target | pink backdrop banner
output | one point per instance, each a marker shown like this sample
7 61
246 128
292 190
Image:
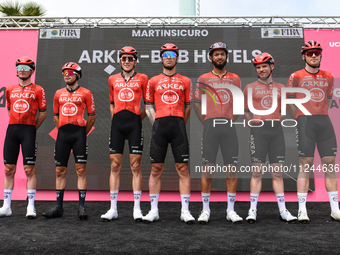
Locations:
25 43
14 44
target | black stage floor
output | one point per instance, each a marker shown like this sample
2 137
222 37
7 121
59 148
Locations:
68 235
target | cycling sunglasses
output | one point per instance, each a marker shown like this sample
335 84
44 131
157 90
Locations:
310 53
69 73
129 59
172 54
25 67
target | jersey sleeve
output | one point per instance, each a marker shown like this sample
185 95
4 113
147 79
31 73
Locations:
330 86
42 100
144 85
149 94
198 92
245 93
91 110
292 83
56 104
8 98
111 90
188 92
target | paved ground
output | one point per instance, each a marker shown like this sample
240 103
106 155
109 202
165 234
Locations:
68 235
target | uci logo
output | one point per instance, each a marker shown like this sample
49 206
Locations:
126 95
170 97
21 106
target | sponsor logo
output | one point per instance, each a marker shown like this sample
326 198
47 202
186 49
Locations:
169 32
317 95
126 95
281 33
266 102
224 96
59 34
205 200
69 109
302 200
170 97
136 151
21 106
336 92
81 160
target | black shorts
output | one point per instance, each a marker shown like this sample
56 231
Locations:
70 137
222 136
24 135
169 130
126 124
315 129
267 139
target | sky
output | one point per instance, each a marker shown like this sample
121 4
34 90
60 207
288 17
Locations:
209 8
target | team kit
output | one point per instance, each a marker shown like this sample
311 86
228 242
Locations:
168 99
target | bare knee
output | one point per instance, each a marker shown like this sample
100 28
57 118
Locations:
136 168
115 167
29 170
183 170
81 170
10 170
156 170
61 172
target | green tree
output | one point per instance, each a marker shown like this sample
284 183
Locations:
9 8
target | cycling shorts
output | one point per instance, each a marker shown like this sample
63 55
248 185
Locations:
220 136
70 137
24 135
126 125
169 130
315 129
267 139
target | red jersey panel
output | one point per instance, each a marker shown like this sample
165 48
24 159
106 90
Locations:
169 94
320 86
24 102
263 98
212 83
127 95
70 106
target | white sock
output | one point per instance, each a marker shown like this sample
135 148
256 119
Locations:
31 197
302 197
231 201
154 201
7 198
333 199
137 195
281 201
253 200
205 200
114 198
185 202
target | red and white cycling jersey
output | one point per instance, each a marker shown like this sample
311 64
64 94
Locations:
24 102
169 94
320 86
70 106
263 98
214 85
127 95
